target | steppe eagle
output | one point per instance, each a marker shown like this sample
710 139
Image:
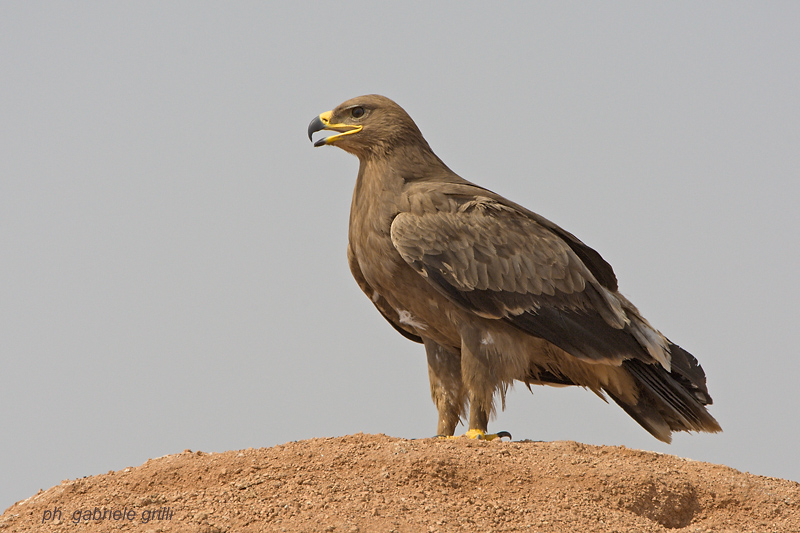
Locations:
495 292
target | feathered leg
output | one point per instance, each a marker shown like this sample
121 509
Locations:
477 376
481 382
447 389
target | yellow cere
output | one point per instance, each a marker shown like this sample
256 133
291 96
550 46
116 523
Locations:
345 129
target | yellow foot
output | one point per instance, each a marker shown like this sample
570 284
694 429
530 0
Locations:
479 435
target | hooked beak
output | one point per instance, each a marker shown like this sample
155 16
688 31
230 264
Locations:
323 122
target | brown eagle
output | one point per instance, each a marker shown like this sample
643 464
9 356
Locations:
495 292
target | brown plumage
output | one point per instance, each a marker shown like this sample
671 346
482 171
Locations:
495 292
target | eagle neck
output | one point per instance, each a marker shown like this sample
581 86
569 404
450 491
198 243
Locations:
377 188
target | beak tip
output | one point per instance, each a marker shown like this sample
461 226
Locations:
314 126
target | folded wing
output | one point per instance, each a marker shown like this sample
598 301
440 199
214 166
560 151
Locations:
498 262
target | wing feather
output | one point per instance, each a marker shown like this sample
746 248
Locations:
498 262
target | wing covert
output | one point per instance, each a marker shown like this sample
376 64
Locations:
499 263
487 246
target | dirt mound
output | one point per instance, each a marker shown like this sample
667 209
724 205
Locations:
379 483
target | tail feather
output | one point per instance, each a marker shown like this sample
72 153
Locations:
689 373
670 401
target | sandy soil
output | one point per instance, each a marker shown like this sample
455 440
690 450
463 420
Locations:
362 483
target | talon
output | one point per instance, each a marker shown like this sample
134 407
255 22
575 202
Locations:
493 436
477 434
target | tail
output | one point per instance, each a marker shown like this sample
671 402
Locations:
670 401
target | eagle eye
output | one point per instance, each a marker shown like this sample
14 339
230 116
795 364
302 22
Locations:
357 112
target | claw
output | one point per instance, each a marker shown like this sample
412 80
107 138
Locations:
477 434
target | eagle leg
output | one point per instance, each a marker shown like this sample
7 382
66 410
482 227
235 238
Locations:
479 412
447 389
481 435
478 375
477 434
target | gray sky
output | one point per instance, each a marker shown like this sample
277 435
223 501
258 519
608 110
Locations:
172 248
